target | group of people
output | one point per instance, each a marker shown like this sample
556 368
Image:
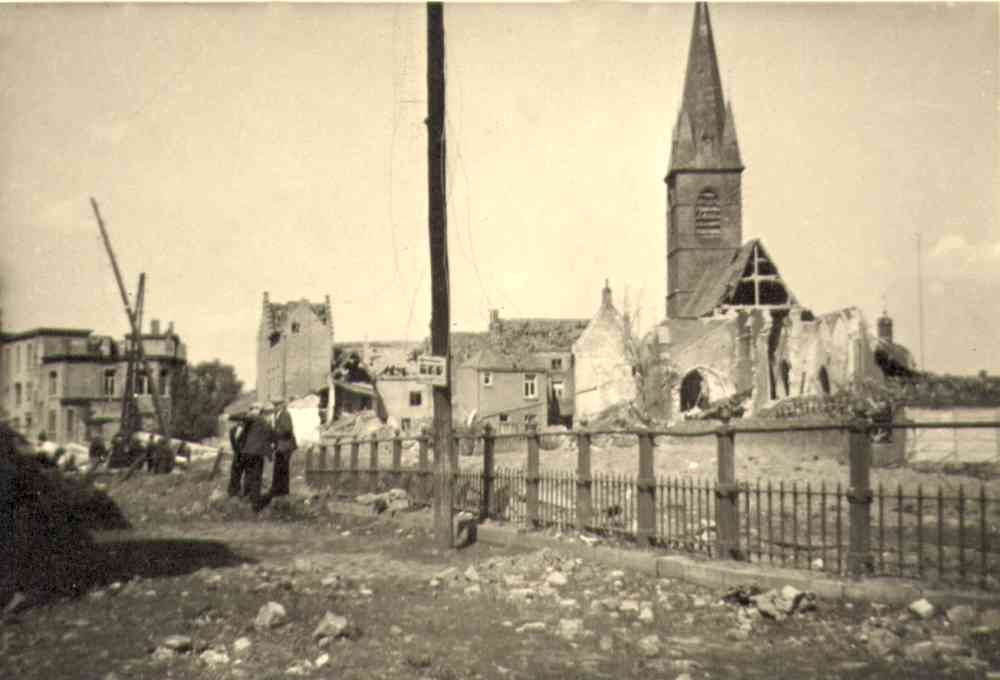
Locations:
265 432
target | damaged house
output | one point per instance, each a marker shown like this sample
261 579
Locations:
733 327
294 348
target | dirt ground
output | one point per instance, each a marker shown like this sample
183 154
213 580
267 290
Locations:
202 567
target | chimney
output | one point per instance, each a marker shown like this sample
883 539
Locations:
170 328
606 294
154 327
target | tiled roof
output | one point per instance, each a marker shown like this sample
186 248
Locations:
493 360
516 336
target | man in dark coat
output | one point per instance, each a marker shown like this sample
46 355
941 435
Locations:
258 444
285 446
237 433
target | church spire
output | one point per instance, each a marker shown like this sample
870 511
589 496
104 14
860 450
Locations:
704 136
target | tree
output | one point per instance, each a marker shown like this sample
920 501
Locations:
200 394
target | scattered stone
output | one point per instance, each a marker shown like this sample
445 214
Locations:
177 643
649 646
556 578
365 592
567 602
303 564
322 660
395 630
473 590
646 615
271 615
471 574
817 564
961 615
628 606
882 642
570 628
533 627
922 609
331 626
214 657
218 496
920 651
699 602
616 575
241 647
606 643
435 583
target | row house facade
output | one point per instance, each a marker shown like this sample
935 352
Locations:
68 383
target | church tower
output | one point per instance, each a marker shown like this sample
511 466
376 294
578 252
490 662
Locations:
704 201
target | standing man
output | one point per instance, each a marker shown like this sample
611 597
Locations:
285 435
258 444
237 433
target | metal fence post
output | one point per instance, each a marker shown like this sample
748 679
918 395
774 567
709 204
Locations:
531 478
727 528
486 499
373 464
646 488
859 495
584 480
355 463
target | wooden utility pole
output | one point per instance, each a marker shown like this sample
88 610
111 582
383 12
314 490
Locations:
440 305
132 320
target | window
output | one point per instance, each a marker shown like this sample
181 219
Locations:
487 379
53 382
18 357
109 383
296 327
70 424
504 418
27 422
141 383
416 398
17 394
557 364
530 386
530 419
558 388
404 424
708 215
164 382
52 421
29 393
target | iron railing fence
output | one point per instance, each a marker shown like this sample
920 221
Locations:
941 535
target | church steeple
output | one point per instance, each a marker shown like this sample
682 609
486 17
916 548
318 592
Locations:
704 135
704 195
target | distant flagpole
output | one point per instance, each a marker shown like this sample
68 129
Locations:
920 300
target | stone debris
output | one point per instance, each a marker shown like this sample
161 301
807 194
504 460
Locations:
570 628
321 660
241 647
177 643
214 657
882 643
646 615
650 646
922 609
332 626
556 578
271 615
961 615
471 574
533 627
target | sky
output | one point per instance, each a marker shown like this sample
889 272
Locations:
241 149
